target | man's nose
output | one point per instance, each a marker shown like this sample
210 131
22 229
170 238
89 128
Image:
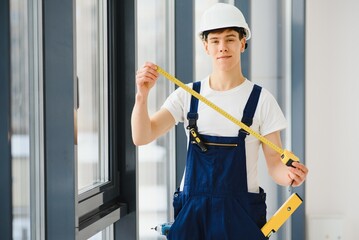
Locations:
223 47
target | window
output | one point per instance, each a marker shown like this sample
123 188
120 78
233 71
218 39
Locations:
26 120
97 168
42 115
92 114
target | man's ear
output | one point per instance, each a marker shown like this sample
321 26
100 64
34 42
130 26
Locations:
244 44
205 46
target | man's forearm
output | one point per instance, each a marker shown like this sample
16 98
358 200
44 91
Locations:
140 122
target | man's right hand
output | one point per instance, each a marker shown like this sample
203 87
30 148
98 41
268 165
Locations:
146 78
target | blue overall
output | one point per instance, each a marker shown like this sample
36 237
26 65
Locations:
215 202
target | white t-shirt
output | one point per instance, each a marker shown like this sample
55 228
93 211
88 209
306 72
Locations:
268 118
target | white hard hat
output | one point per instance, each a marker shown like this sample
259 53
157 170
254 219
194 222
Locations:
222 15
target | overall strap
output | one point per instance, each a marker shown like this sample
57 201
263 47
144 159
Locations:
250 109
192 115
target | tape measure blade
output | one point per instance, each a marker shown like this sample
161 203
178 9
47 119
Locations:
219 110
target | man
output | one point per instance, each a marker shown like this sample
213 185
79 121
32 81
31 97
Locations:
219 197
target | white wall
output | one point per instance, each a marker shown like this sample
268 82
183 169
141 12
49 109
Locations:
332 117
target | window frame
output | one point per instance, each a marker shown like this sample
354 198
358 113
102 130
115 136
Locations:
5 124
59 149
101 206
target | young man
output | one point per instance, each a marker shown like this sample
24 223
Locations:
219 197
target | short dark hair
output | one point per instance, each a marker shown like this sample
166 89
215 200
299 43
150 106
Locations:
240 30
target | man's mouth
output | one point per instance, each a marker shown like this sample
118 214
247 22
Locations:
223 57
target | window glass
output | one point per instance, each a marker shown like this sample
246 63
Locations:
92 120
156 172
27 119
20 139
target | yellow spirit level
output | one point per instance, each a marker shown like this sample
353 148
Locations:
282 214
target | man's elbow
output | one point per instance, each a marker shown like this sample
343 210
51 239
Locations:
136 141
139 141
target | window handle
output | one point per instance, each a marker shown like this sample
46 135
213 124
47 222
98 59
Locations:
76 107
77 97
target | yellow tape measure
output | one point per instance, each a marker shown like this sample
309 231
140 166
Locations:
287 156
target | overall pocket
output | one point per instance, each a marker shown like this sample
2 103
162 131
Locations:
257 207
240 220
177 202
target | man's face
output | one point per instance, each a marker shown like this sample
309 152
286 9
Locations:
225 48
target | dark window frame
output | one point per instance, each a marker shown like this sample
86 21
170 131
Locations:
5 124
124 68
58 72
184 68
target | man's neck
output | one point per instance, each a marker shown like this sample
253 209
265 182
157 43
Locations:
225 80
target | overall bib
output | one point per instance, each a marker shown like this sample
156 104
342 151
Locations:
215 202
